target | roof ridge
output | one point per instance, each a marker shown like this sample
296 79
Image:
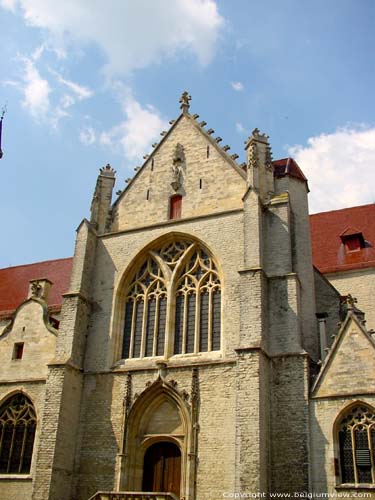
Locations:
342 209
35 263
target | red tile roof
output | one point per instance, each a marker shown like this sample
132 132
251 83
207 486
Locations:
329 231
14 282
288 166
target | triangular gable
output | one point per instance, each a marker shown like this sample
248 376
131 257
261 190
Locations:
350 231
349 368
148 158
214 182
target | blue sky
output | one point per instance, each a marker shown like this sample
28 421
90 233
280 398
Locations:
88 82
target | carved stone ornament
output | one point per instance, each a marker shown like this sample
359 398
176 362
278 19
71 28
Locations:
178 167
350 301
184 101
36 289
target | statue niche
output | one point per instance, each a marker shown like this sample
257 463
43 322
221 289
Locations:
178 167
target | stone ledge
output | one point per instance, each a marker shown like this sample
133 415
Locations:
172 222
15 477
23 381
355 487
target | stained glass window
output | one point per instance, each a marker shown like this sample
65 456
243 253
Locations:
173 303
356 444
17 433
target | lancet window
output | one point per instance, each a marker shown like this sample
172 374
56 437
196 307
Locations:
173 303
145 313
198 304
17 433
356 435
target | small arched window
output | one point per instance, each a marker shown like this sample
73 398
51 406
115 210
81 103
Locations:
173 303
356 440
17 433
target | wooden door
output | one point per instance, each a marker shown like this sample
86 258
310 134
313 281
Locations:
162 468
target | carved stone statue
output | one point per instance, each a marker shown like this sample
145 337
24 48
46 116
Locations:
178 167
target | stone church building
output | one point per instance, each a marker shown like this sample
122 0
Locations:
196 352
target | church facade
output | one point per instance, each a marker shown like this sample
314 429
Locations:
197 354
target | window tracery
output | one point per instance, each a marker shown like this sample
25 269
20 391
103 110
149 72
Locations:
356 433
198 297
173 303
17 433
145 313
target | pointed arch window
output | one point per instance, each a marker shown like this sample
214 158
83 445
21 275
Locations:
173 303
198 304
145 313
17 434
356 440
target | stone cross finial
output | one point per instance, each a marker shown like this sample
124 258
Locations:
350 301
184 101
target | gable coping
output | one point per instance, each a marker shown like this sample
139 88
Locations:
212 141
327 362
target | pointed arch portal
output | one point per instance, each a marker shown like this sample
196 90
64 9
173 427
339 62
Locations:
162 468
157 443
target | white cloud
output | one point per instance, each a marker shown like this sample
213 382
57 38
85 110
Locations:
339 167
8 4
240 128
237 86
38 52
36 91
141 127
87 136
80 91
131 34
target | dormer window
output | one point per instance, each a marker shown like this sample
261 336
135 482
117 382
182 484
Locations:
175 205
353 240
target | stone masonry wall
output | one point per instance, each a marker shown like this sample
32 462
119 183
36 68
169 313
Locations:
289 424
102 417
114 256
210 183
361 285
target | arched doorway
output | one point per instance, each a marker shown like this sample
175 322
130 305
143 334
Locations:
162 468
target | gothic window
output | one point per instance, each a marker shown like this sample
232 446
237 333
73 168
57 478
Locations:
173 303
198 304
145 313
356 439
17 433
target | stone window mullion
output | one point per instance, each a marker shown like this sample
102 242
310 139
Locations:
197 318
23 448
144 326
156 326
134 312
210 299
